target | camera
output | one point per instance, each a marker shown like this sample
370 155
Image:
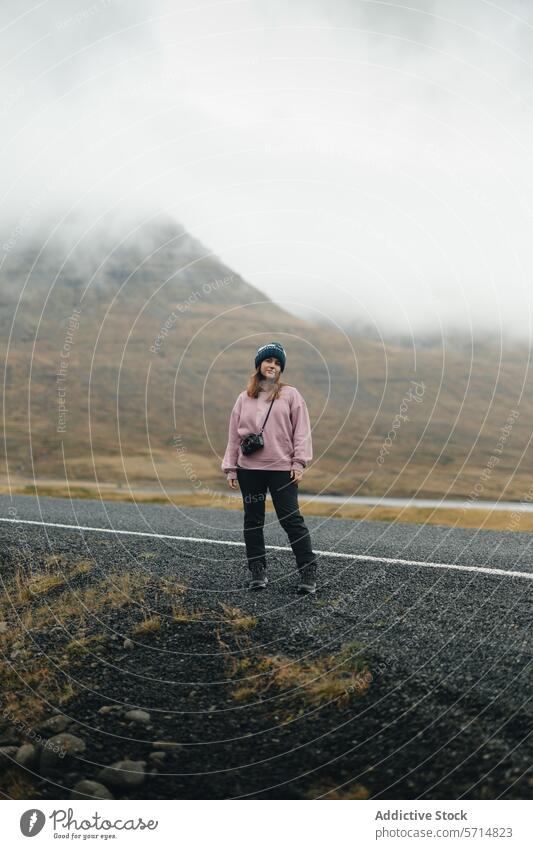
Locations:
251 443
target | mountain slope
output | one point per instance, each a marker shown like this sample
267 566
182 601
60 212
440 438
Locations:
147 338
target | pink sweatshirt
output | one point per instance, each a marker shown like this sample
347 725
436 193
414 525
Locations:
287 433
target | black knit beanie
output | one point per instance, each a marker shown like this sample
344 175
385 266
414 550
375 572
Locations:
273 349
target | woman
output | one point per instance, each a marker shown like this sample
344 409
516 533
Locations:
277 466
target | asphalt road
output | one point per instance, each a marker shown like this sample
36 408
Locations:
448 714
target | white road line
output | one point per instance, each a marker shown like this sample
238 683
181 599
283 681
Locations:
487 570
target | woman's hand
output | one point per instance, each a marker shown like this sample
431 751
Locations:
296 475
233 483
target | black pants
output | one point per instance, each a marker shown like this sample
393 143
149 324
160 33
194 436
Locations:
284 492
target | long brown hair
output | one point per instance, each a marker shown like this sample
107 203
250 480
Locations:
255 386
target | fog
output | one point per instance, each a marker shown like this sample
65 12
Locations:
362 161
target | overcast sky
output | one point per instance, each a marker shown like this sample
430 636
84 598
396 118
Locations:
369 160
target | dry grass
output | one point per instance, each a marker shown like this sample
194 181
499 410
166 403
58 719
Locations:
26 693
172 588
148 625
337 677
80 605
80 646
181 615
354 791
17 785
115 590
238 620
123 588
28 582
27 684
52 560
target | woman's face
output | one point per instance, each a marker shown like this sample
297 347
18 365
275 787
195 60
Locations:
270 368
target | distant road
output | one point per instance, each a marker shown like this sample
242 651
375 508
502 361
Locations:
436 503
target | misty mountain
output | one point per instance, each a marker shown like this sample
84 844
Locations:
125 348
157 260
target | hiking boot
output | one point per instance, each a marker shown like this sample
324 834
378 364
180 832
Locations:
307 582
259 579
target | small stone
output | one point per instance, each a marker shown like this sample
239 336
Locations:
7 756
90 789
56 724
141 717
8 752
128 644
59 751
27 756
157 757
105 709
10 737
166 744
123 774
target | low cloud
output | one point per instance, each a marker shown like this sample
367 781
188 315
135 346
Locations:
363 161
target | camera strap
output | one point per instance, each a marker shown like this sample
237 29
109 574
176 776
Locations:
267 415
